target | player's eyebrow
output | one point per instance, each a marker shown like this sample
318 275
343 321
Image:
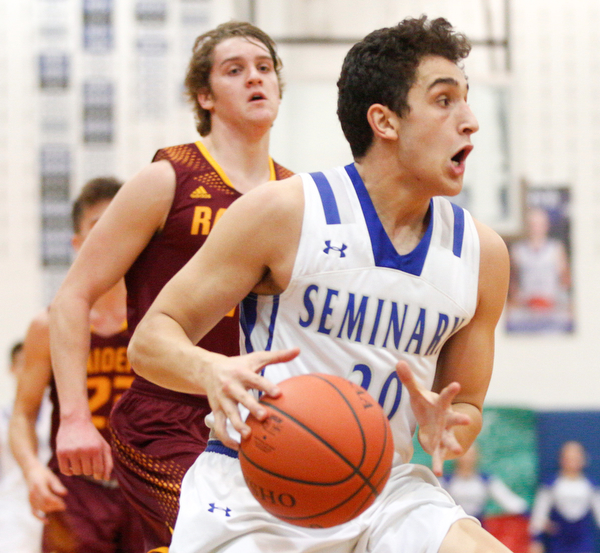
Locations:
233 59
445 80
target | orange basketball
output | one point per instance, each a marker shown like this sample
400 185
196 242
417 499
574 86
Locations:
323 454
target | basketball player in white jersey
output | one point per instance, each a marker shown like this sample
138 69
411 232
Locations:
362 271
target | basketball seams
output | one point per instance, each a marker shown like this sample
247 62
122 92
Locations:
359 508
358 420
366 457
355 470
365 483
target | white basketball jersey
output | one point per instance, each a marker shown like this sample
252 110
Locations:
539 270
354 306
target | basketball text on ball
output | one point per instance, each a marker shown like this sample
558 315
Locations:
271 496
365 398
322 455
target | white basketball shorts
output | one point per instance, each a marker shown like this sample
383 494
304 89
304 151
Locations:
218 513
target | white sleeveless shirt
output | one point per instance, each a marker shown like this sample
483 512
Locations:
354 306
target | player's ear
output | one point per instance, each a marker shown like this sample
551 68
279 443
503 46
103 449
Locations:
205 99
383 121
76 241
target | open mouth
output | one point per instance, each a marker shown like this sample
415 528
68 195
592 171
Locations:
460 156
257 96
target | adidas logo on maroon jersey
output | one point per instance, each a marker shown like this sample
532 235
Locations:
201 193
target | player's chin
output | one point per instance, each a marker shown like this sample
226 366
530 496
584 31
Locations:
265 113
453 186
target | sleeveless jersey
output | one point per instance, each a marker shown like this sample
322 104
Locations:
108 376
202 194
572 506
354 306
473 492
539 271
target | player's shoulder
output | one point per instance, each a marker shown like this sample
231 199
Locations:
150 190
275 198
594 482
40 323
548 481
37 338
492 245
158 172
178 151
494 270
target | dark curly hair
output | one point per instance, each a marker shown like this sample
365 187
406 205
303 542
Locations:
381 69
94 191
198 75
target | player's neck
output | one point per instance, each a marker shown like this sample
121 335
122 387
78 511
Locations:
537 242
464 472
403 210
110 310
571 475
243 157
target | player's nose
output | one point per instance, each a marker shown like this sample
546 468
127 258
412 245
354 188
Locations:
469 123
254 75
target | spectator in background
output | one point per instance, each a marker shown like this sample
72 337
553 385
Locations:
567 508
20 531
472 489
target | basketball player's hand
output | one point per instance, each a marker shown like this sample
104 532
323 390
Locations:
46 491
435 417
81 449
229 385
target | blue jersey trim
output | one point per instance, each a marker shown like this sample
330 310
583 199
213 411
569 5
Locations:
459 230
216 446
275 308
248 317
383 250
332 215
248 309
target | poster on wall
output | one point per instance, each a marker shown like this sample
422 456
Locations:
540 298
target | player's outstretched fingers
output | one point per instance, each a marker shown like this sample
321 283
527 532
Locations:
448 394
407 378
261 359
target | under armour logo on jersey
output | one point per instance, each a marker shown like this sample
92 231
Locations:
330 248
213 508
201 193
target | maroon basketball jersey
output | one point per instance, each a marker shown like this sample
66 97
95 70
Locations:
108 376
202 194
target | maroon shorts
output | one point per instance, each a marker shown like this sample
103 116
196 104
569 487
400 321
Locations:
98 519
156 436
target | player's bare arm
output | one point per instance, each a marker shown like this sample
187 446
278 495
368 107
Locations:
247 251
45 489
450 415
135 214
